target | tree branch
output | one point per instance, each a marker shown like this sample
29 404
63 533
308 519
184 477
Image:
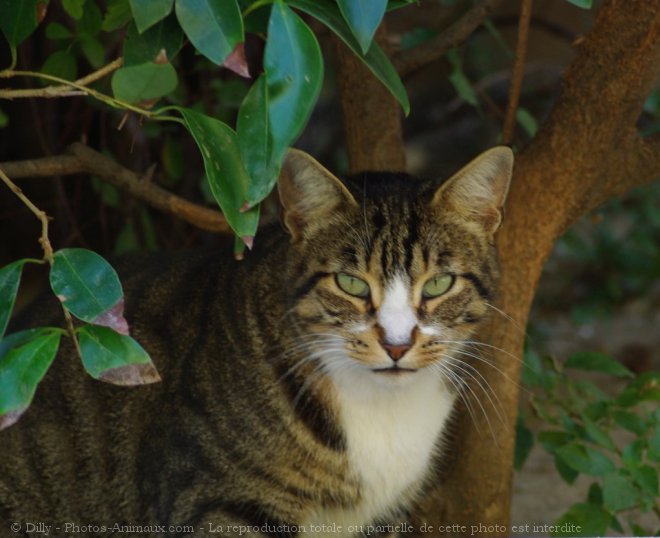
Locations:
87 160
408 61
509 128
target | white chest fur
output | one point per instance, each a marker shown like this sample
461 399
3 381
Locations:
392 430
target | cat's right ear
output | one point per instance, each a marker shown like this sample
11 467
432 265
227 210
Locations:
309 194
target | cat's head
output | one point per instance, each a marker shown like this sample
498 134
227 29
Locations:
388 274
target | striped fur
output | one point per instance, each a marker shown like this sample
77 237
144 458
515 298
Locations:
277 408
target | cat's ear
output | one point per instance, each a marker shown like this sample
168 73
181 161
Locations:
309 193
479 189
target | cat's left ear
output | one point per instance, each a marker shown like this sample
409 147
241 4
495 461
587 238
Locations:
479 189
310 194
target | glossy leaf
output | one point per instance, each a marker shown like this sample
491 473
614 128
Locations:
294 74
215 28
225 171
10 277
115 358
18 19
24 360
144 82
93 50
88 287
593 361
255 142
147 46
148 12
375 59
583 519
363 17
91 21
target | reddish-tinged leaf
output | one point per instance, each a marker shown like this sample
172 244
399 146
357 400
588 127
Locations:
245 207
11 418
131 374
161 57
237 62
248 240
113 318
42 9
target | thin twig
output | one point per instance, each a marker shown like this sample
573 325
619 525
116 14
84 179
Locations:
41 215
408 61
88 161
509 127
44 241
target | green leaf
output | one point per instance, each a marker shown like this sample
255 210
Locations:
375 59
654 445
4 119
583 519
630 421
146 47
527 121
18 19
10 277
93 51
115 358
632 454
594 361
88 287
524 444
552 440
62 64
148 12
584 4
74 7
255 142
24 360
294 73
225 170
619 492
91 21
458 79
117 15
363 17
595 494
598 435
55 30
585 459
143 82
215 28
567 473
647 478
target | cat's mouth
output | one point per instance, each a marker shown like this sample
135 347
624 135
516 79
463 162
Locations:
393 370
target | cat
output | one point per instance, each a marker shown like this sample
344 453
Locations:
305 389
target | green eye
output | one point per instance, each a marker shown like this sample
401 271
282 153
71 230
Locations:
436 286
352 285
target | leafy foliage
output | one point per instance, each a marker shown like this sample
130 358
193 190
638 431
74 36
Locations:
242 153
579 420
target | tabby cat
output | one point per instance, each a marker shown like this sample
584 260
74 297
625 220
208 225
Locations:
305 389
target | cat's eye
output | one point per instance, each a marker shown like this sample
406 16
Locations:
352 285
437 285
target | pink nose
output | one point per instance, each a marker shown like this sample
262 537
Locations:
396 351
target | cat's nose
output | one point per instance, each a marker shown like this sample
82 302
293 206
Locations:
396 351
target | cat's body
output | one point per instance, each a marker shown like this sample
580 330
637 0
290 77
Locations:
293 398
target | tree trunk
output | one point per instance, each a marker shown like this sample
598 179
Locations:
585 153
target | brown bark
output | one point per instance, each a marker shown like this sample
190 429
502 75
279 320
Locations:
587 151
372 117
